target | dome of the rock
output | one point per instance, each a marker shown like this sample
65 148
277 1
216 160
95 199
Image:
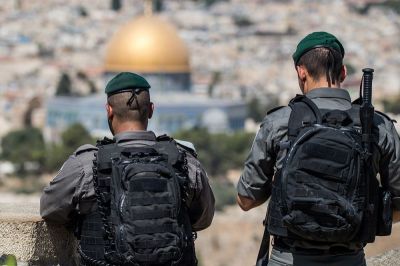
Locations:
147 44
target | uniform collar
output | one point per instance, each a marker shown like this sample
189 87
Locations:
329 93
135 135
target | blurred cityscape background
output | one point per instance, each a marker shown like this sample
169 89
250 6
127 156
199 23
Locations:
216 67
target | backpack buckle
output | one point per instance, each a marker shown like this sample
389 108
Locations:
284 145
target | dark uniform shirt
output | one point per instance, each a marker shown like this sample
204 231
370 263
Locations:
266 158
71 191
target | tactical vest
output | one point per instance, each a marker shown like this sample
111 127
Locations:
324 193
141 216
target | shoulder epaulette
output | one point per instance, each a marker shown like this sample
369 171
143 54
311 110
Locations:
164 137
275 109
85 148
386 116
187 146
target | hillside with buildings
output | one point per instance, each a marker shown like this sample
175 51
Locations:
237 50
206 61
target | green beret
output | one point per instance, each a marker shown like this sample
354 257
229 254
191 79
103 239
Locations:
317 39
125 81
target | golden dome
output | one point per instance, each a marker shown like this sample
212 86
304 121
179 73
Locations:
147 45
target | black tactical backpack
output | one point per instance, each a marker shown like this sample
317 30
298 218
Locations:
324 192
141 201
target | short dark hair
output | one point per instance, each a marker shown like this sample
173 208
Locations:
321 62
134 110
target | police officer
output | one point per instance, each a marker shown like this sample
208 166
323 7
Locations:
319 65
71 193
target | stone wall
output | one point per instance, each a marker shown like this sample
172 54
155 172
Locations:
390 258
24 234
33 242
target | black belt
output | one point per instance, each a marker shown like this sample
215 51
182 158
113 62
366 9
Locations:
281 245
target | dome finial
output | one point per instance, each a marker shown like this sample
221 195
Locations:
148 7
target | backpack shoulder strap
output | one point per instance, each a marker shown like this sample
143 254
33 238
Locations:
304 113
167 145
309 103
354 113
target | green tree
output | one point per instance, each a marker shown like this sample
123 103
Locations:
254 110
8 260
224 192
208 2
215 80
56 155
158 5
392 105
116 5
24 146
90 83
73 137
392 4
257 109
219 152
351 70
82 11
211 2
242 20
64 86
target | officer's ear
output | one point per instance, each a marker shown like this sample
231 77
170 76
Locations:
343 73
151 110
110 112
301 73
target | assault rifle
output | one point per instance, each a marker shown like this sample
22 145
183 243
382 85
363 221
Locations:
366 118
384 213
